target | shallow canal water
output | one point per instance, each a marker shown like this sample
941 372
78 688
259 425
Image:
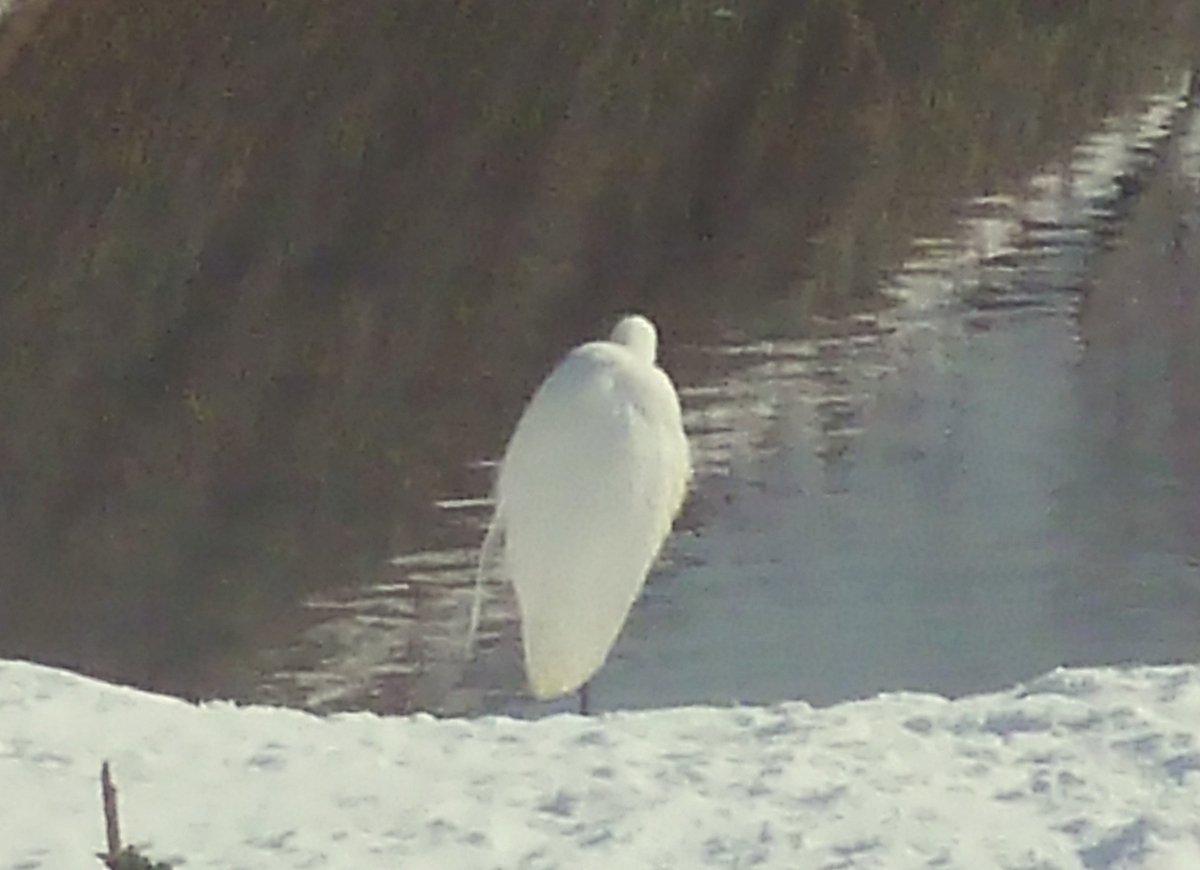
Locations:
925 275
997 474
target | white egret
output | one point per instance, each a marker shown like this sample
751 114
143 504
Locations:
589 486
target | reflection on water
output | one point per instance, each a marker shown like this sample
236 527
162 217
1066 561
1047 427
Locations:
997 475
239 370
1009 504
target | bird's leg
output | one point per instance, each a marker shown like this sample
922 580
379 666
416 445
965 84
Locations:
583 699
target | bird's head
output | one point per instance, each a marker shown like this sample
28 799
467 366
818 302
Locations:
639 335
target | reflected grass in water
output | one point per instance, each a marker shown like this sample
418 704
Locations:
268 294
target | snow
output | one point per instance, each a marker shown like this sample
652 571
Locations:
1095 769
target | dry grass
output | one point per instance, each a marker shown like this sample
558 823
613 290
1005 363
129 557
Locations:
271 269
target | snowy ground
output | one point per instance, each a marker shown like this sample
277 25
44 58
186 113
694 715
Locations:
1096 769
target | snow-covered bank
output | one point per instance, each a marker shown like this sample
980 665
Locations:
1081 769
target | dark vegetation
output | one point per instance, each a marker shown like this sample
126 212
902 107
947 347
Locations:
271 269
117 858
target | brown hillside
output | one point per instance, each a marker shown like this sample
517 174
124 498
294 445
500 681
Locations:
265 265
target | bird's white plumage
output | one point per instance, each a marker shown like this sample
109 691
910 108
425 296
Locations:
591 481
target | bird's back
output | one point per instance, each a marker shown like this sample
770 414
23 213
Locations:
591 481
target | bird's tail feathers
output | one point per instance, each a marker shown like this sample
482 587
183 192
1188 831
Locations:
488 556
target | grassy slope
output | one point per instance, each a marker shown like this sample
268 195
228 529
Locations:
263 262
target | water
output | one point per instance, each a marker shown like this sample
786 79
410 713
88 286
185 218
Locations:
943 438
998 474
1008 501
